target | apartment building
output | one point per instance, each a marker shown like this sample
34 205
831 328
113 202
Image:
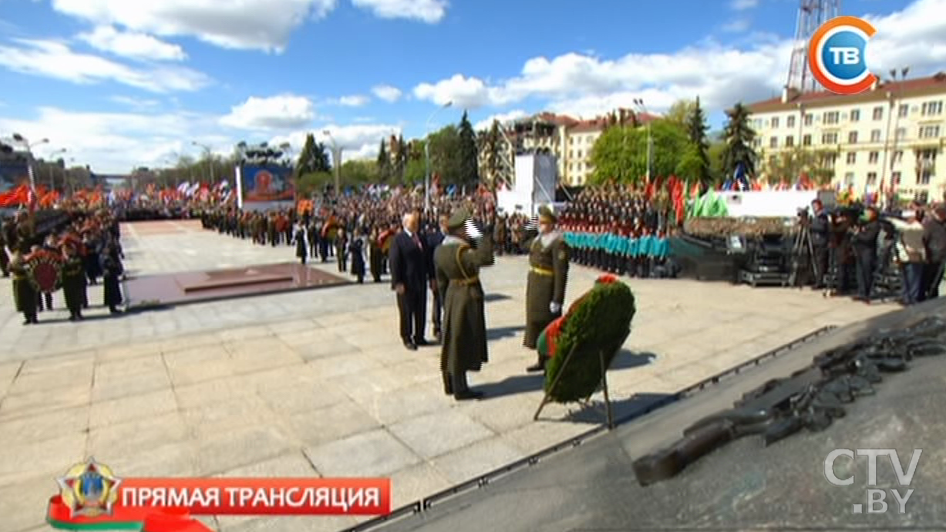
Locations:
570 140
892 134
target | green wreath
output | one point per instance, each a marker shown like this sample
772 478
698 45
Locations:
598 322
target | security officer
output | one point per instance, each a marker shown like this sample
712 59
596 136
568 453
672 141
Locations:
545 288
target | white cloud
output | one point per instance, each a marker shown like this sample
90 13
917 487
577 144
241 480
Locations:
133 45
245 24
741 5
502 118
353 101
429 11
117 142
358 141
720 75
387 93
135 103
285 111
55 60
738 25
463 92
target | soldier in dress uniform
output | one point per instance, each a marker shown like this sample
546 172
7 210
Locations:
548 274
24 294
457 264
73 281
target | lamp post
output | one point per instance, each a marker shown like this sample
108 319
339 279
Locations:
639 102
336 161
895 97
427 155
52 179
209 155
29 152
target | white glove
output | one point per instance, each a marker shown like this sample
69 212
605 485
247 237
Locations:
555 308
472 231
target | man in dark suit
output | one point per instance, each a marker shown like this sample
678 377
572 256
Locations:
434 239
411 275
820 228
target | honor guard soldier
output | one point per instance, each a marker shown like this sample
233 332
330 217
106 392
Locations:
73 281
24 295
457 264
545 289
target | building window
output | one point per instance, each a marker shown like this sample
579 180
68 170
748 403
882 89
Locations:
898 156
806 140
855 115
931 108
775 122
873 157
830 117
923 196
809 119
851 157
929 132
878 113
852 137
773 142
849 179
579 154
571 140
871 178
757 143
875 135
789 141
923 178
773 160
790 121
901 133
903 110
571 154
830 160
829 138
895 176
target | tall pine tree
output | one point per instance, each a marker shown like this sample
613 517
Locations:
469 155
697 129
384 163
739 137
313 158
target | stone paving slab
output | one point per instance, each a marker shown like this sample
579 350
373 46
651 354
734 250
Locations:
317 383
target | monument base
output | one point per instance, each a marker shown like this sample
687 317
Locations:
193 287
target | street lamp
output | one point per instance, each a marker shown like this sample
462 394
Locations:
52 180
894 108
29 152
427 155
336 161
208 153
639 102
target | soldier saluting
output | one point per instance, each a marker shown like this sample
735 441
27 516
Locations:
548 274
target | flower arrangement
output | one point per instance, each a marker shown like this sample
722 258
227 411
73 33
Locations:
596 324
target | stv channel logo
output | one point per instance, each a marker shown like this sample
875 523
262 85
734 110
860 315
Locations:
836 55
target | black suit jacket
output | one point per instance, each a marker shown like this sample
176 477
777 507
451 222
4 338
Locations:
409 264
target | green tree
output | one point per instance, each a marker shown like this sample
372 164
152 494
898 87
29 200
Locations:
680 112
790 165
621 152
401 155
697 154
469 172
313 158
739 136
716 154
313 183
356 172
445 157
385 169
492 148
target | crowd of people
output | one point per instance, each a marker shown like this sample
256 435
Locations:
852 248
85 251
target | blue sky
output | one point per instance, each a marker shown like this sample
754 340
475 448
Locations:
121 83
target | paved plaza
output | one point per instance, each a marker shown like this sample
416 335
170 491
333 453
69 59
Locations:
317 382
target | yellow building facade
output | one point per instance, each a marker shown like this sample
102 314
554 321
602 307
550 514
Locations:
893 134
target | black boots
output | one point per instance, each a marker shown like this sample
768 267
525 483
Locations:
457 386
538 366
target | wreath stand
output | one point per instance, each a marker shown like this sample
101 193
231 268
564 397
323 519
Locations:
603 384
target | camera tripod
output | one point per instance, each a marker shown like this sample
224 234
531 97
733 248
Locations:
803 256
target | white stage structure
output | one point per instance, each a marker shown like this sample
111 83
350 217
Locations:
535 184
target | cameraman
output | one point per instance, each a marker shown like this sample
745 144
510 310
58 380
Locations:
934 239
820 227
910 254
841 232
864 241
